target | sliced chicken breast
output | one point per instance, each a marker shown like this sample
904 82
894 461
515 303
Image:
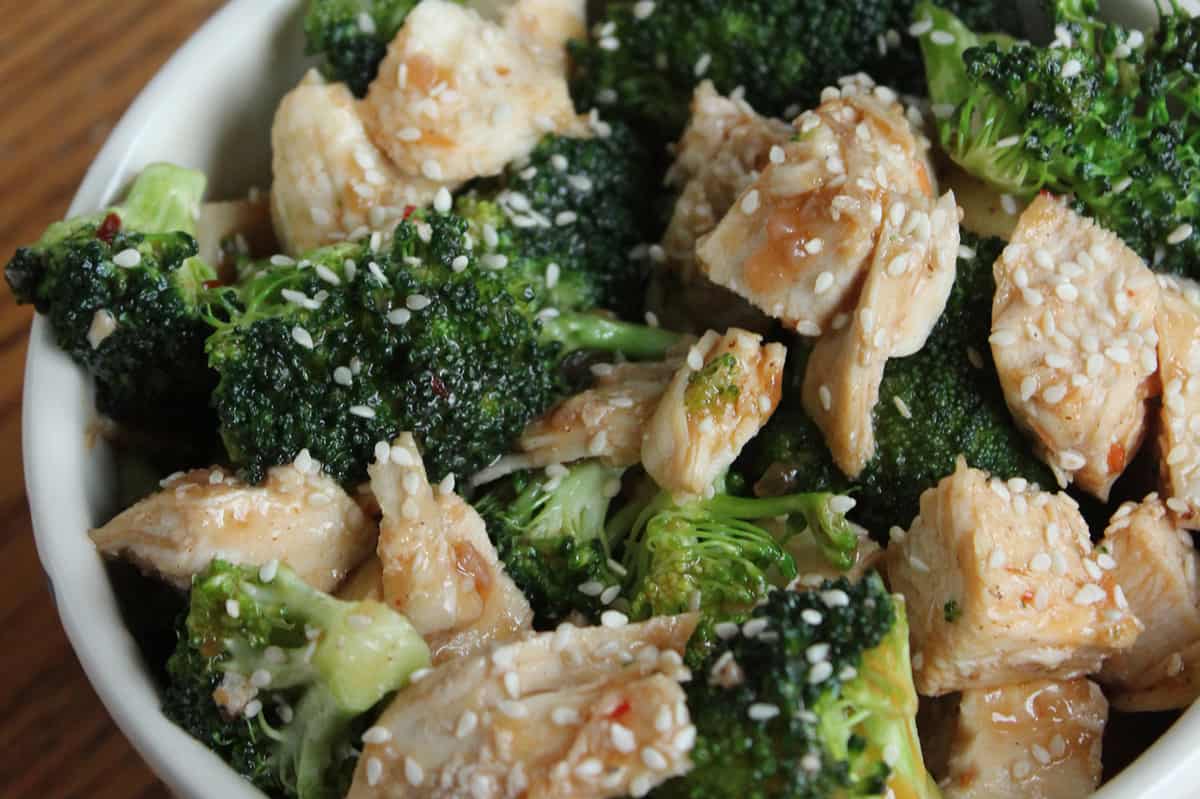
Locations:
717 401
330 180
1156 565
1003 586
1033 740
574 714
298 517
907 284
1178 326
1074 342
798 241
458 96
438 566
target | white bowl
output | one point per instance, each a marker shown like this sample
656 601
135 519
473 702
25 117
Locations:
210 108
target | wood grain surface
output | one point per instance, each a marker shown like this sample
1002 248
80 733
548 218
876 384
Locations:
68 69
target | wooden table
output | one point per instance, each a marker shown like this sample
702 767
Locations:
68 70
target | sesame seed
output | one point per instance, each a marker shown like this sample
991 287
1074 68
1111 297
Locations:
1054 394
232 608
431 169
1040 562
841 504
761 711
920 27
726 630
614 619
943 38
918 565
753 627
495 261
817 653
399 316
640 786
776 156
591 588
1022 769
377 735
302 337
610 594
997 559
1071 67
610 43
413 772
812 617
127 258
589 768
623 739
363 411
268 571
1122 184
514 710
643 9
1009 204
564 218
1180 234
826 397
820 672
1090 594
835 598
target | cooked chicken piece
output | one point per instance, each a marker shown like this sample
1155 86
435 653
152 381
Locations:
588 713
297 516
1003 586
330 180
1074 342
439 568
1033 740
907 284
1155 564
798 241
725 146
1172 684
365 582
458 97
716 402
544 26
225 230
1178 326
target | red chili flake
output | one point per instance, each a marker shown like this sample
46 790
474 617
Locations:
439 387
620 710
408 210
212 284
108 228
1116 459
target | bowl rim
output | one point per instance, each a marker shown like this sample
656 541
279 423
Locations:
187 767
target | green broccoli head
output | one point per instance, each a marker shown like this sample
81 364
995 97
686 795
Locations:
352 36
276 677
813 698
1103 115
714 555
348 347
125 295
550 535
643 60
566 217
941 402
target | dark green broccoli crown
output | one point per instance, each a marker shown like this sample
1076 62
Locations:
138 329
941 402
404 341
352 37
712 554
781 52
549 533
1100 115
192 676
770 710
579 204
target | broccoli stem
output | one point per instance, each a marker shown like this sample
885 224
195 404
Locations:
833 533
165 198
584 331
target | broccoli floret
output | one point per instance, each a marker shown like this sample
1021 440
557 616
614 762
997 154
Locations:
348 347
941 402
352 36
579 204
819 703
125 295
1101 115
550 535
781 52
712 555
299 668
